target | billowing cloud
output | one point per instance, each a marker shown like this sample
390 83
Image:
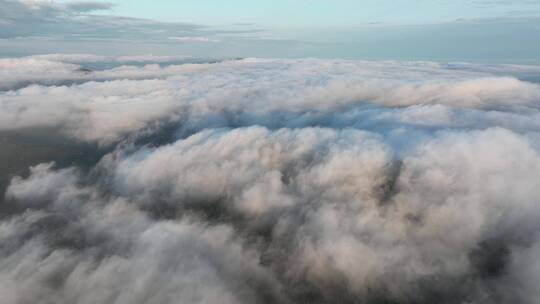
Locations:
268 181
282 93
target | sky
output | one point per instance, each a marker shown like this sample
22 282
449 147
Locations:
321 13
440 30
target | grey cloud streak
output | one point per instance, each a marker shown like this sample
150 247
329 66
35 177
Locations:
89 6
269 181
75 21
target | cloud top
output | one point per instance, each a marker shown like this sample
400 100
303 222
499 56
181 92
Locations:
268 181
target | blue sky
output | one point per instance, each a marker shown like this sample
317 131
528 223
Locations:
322 13
441 30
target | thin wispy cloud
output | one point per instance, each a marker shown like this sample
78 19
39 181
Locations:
88 6
75 20
106 28
194 39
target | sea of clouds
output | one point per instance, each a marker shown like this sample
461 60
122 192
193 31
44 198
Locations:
170 180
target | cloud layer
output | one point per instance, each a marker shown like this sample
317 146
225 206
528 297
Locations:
268 181
77 21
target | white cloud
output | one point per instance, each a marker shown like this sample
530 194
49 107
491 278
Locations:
271 181
104 248
274 93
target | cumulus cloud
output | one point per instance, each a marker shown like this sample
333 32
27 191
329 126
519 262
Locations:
281 93
94 250
269 181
